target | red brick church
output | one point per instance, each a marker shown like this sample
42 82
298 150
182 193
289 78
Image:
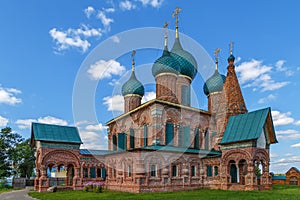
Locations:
165 144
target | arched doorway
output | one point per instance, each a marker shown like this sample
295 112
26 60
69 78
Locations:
70 175
233 171
243 171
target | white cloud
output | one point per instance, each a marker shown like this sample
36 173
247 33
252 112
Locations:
114 103
74 37
97 127
280 119
109 10
255 74
289 134
106 21
274 155
92 135
63 41
115 39
114 82
279 66
105 69
52 120
127 5
297 123
3 121
91 140
153 3
8 96
89 11
270 97
148 96
295 145
26 123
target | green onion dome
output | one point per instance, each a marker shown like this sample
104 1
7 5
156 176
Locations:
133 86
231 58
165 64
214 83
187 62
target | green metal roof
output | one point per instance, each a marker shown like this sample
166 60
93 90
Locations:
214 83
245 127
55 133
182 150
133 86
94 152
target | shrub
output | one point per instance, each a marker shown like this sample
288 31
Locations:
93 186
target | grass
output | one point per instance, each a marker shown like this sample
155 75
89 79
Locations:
278 192
5 189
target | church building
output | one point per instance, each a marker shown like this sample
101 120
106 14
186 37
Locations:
165 144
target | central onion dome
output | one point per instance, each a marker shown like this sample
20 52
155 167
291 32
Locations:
165 64
214 83
186 61
133 86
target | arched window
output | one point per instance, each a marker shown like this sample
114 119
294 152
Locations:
169 133
114 138
196 139
131 140
206 139
145 135
233 171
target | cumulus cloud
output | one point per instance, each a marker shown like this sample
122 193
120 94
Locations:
89 11
105 69
26 123
74 37
8 96
281 68
255 74
280 119
297 123
114 103
295 145
115 39
148 96
92 135
153 3
96 127
3 121
270 97
288 134
106 21
127 5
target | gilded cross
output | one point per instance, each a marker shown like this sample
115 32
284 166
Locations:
230 47
216 52
132 57
175 14
166 33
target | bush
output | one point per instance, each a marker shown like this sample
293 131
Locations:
93 186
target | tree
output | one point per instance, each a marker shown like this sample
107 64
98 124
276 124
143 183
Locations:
23 159
16 157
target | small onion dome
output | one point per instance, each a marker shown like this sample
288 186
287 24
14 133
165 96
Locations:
214 83
187 62
165 64
231 58
133 86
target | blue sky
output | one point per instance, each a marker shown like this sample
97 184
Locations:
45 45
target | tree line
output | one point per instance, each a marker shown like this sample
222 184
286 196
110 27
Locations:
16 156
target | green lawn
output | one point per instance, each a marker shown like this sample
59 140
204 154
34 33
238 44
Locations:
278 192
5 190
